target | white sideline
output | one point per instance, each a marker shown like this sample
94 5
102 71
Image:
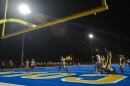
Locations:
8 84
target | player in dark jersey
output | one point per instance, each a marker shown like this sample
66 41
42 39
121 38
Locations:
108 65
121 63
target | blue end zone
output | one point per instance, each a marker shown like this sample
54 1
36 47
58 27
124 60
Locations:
77 76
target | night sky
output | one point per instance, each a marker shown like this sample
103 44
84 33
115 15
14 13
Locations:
110 30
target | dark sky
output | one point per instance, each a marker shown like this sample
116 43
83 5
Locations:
110 29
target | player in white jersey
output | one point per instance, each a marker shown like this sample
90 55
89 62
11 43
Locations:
128 62
62 63
98 63
33 64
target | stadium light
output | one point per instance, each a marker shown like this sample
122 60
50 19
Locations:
24 9
91 36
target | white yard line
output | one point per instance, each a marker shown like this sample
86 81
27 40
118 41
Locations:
8 84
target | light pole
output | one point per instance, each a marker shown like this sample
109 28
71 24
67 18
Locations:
24 9
91 37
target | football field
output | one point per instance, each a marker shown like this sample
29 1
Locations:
83 75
